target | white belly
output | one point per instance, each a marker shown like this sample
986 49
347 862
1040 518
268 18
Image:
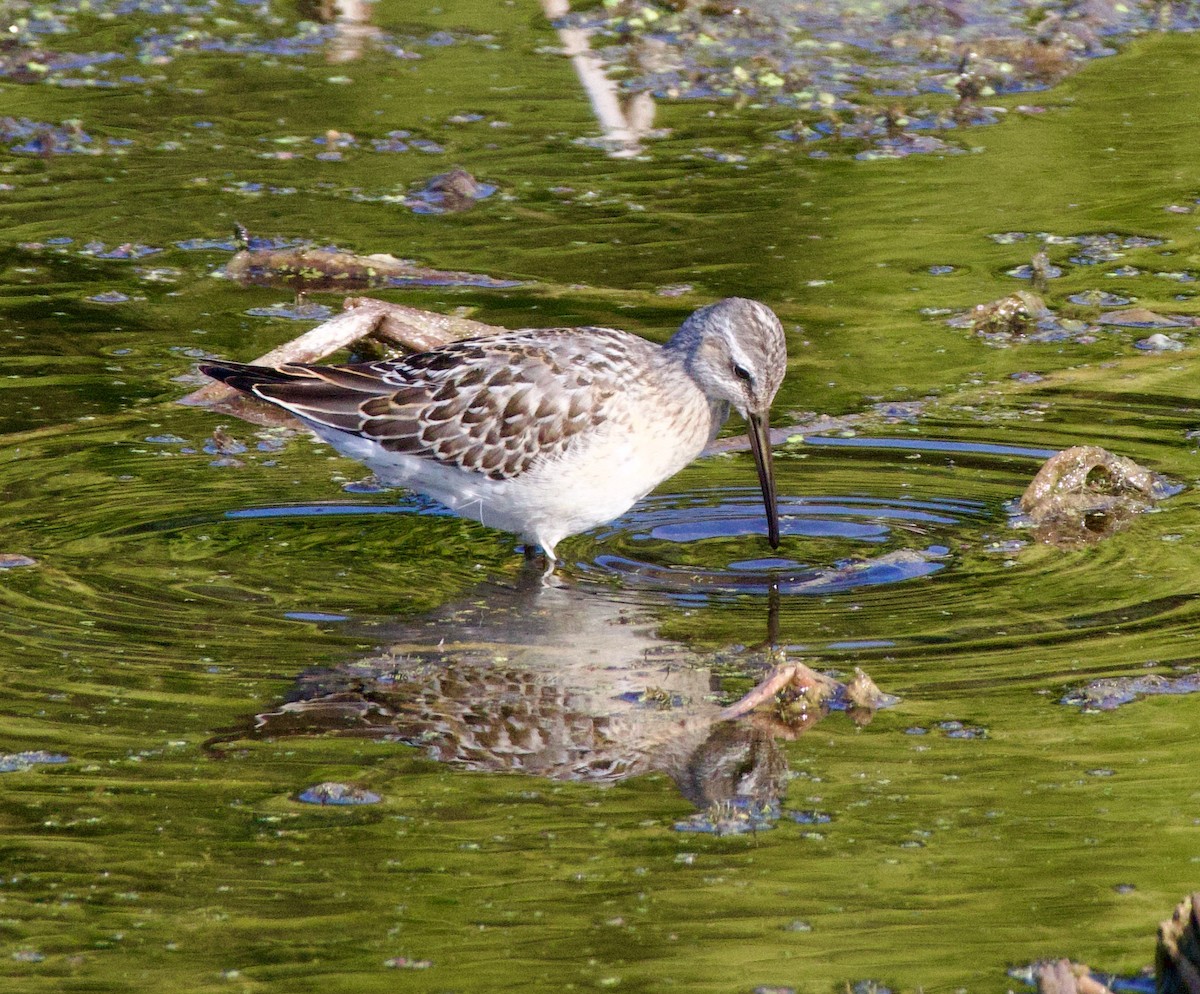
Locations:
594 481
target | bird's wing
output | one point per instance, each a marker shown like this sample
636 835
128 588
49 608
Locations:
490 405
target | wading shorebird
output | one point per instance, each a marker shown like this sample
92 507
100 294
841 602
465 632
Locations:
544 432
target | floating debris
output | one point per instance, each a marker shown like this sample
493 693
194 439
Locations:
809 817
223 444
675 290
1013 316
406 963
1111 693
1159 343
129 250
337 793
108 297
902 411
1039 270
300 310
450 192
14 560
834 64
1141 317
1086 493
19 762
957 730
951 729
25 137
314 269
1098 298
739 815
28 956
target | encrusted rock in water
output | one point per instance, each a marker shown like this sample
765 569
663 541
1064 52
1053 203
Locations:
862 692
1016 314
1086 493
1177 956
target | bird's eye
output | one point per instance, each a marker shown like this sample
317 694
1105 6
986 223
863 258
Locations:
742 373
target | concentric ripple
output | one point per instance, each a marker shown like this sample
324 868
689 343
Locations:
697 542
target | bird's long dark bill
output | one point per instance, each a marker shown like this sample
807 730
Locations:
760 445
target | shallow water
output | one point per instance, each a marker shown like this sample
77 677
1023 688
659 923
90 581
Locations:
182 588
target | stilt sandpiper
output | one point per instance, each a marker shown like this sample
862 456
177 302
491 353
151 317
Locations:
544 432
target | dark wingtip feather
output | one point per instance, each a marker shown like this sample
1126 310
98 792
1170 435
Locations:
243 376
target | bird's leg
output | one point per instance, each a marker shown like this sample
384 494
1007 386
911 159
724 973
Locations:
787 676
533 552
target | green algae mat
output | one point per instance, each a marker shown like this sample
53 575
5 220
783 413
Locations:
174 603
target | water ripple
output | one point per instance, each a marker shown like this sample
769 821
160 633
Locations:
695 542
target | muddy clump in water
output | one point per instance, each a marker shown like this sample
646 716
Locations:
1085 493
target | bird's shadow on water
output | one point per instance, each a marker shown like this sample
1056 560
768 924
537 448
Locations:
555 680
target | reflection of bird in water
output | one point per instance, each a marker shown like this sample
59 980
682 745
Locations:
555 682
545 432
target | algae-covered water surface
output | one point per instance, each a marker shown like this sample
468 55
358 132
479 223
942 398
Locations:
267 727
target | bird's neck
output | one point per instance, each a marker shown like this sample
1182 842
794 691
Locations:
677 355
